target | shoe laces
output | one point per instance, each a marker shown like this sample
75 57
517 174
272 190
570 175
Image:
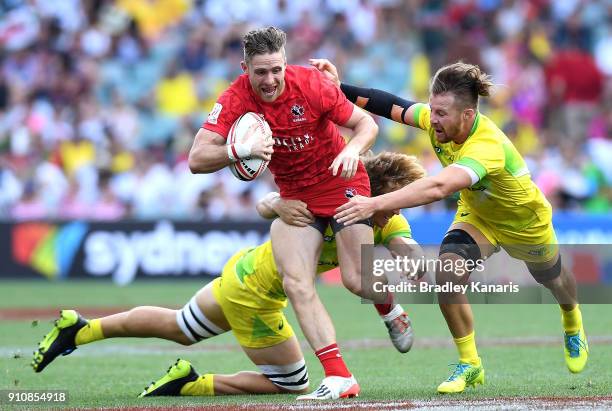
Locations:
459 370
574 343
402 321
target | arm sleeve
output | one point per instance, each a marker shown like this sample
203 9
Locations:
473 176
379 102
224 113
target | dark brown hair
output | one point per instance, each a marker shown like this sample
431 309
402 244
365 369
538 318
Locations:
263 41
391 171
465 81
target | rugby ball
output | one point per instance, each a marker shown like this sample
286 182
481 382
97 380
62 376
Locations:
248 169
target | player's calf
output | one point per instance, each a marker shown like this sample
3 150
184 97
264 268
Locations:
182 379
291 378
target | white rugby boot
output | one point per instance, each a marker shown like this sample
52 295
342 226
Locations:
333 388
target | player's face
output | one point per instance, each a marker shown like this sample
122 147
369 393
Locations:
267 74
446 118
381 218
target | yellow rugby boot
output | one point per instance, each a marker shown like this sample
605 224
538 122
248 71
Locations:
60 340
179 374
464 375
576 351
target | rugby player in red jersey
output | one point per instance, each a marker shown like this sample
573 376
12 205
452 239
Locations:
311 163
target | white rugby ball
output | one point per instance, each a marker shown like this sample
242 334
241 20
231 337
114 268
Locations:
248 169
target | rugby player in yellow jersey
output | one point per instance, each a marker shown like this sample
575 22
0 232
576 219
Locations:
499 205
248 299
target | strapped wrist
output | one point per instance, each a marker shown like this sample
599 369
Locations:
231 153
237 151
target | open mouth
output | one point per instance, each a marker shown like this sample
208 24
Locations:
268 91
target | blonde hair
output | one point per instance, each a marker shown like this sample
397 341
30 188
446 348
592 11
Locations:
465 81
390 171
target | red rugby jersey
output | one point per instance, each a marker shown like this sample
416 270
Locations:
302 118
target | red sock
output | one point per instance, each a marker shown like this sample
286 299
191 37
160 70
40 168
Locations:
332 361
386 307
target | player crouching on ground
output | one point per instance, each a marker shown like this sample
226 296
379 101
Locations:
234 301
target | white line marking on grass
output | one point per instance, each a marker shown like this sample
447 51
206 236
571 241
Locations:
365 344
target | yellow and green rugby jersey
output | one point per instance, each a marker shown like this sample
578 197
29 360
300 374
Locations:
505 196
257 269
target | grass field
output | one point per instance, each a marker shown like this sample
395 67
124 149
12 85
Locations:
520 346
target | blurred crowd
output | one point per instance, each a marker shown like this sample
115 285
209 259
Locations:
100 99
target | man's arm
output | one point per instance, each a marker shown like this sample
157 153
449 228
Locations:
407 247
293 212
375 101
426 190
423 191
265 206
365 131
209 153
381 103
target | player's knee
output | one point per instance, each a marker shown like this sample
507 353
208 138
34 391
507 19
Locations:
459 254
298 287
353 284
174 330
549 277
182 339
444 273
290 378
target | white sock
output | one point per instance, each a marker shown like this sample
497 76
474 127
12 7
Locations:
393 314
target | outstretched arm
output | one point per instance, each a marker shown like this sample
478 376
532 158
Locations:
423 191
373 100
381 103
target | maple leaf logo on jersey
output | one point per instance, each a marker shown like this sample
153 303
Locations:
297 110
350 192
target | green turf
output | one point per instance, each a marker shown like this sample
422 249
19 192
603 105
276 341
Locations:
111 373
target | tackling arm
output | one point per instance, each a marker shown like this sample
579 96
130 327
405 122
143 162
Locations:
381 103
426 190
265 206
293 212
373 100
407 247
423 191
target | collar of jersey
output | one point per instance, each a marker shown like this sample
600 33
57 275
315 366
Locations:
472 131
475 125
